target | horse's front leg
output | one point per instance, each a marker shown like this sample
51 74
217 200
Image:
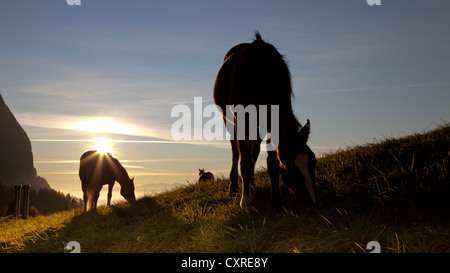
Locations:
110 188
273 167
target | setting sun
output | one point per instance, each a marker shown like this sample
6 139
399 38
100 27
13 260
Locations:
102 146
102 125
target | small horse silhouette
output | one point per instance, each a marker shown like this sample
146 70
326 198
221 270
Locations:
98 169
204 176
256 74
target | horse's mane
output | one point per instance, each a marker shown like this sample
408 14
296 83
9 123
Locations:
279 59
118 165
258 37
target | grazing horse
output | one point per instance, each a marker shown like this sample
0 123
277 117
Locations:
98 169
205 176
256 74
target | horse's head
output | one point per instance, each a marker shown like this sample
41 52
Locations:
298 164
127 190
201 171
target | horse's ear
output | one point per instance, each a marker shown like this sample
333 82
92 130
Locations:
304 132
132 179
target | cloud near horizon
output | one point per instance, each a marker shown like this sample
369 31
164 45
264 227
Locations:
402 86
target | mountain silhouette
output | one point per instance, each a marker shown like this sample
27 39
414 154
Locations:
16 156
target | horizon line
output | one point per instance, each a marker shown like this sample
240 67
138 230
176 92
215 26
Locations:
220 145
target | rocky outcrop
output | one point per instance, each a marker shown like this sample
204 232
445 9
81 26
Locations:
16 157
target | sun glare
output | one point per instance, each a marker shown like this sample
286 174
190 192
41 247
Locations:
102 125
102 146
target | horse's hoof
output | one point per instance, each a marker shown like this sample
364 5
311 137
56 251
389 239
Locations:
246 203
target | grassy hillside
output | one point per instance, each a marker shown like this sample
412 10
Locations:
395 192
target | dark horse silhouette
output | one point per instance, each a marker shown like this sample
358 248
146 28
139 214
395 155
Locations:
98 169
256 74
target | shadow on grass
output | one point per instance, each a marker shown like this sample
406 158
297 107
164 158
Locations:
401 222
141 226
203 218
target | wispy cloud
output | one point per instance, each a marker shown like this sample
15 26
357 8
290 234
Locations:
59 173
64 127
183 174
367 88
56 161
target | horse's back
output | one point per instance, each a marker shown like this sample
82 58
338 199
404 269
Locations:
88 162
255 74
88 158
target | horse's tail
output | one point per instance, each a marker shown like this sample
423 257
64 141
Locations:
90 201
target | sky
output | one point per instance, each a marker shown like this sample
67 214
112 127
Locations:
115 69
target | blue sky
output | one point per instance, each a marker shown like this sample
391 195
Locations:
359 73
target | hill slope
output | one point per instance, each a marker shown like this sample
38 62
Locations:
395 192
415 164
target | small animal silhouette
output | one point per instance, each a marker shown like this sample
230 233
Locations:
205 176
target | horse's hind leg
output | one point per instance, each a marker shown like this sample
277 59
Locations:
247 170
95 199
234 174
85 199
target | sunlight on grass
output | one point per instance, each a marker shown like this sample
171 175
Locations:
16 232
